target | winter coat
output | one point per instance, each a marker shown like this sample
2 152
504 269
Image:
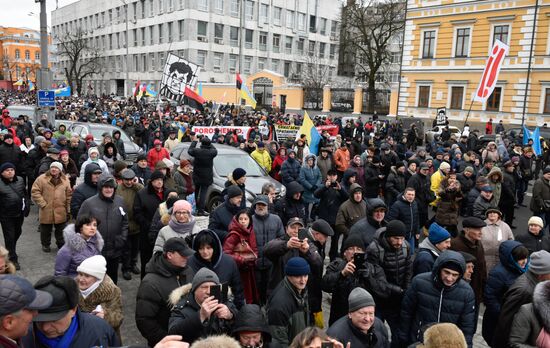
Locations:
240 244
203 166
531 319
526 167
75 250
372 278
221 264
99 161
185 318
349 213
500 279
152 308
146 203
279 254
342 158
12 194
262 158
407 213
290 171
221 217
142 174
366 227
266 228
491 237
329 199
288 207
435 185
277 164
85 190
324 166
109 296
92 332
428 300
252 318
112 217
372 181
52 200
519 293
154 156
479 277
471 199
230 182
425 257
344 331
508 195
129 196
534 243
310 179
13 154
167 232
424 195
541 193
395 185
184 184
448 207
287 313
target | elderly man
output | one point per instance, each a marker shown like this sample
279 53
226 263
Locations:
62 324
20 303
52 193
360 327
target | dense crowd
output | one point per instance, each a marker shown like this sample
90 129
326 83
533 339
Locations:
401 233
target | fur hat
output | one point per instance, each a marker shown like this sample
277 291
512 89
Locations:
444 335
216 342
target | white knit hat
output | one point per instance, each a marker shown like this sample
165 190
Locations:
535 220
95 266
56 164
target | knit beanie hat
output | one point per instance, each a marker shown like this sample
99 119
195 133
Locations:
540 262
234 191
157 174
6 165
297 266
437 234
359 298
181 205
93 149
95 266
444 166
238 173
202 276
353 241
396 228
535 220
56 164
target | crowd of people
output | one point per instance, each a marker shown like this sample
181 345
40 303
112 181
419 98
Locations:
407 240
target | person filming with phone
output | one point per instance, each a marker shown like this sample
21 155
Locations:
202 308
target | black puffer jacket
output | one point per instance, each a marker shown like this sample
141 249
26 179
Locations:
13 154
371 278
12 194
424 195
397 264
85 190
112 216
152 309
221 218
203 166
372 181
405 212
395 185
329 199
428 300
366 227
344 331
288 207
266 228
145 206
222 264
534 243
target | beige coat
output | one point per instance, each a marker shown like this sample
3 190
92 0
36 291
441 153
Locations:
491 237
54 201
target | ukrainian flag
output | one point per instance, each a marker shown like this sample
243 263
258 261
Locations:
63 92
312 134
19 82
245 92
150 92
31 86
535 135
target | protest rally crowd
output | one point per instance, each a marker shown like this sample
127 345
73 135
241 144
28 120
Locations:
408 238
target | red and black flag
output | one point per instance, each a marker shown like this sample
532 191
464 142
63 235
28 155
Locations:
239 81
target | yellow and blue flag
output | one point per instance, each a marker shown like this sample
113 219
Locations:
19 82
32 86
63 92
245 92
312 134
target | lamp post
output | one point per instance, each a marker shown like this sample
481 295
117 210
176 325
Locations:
127 42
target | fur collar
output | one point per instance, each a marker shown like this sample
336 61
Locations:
541 303
76 243
178 293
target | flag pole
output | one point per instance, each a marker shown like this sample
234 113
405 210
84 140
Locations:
468 114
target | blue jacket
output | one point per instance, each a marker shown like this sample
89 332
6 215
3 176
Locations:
428 300
310 179
425 258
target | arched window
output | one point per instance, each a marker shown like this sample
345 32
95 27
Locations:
17 54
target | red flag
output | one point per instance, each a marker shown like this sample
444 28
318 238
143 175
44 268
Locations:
193 99
492 69
239 81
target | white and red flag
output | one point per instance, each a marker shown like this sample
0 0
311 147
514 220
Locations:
492 69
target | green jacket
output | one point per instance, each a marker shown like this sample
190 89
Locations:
128 195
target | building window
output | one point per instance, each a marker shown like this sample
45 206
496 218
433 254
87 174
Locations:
311 47
322 47
151 35
17 54
277 13
143 36
181 30
27 54
218 6
161 33
501 33
493 102
169 24
232 63
144 62
261 63
323 26
37 55
423 96
218 33
249 10
301 46
333 30
275 65
218 59
235 8
249 38
161 61
152 61
263 40
264 12
287 66
462 42
312 24
301 21
234 36
276 43
201 57
202 5
332 52
202 30
429 44
289 19
247 64
547 101
288 44
161 8
457 96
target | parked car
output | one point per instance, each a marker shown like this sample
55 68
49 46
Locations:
437 130
227 160
98 129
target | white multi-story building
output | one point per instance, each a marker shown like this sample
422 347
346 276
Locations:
221 36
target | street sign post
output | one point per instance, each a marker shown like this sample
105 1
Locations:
46 98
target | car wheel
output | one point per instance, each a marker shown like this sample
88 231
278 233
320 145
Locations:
213 203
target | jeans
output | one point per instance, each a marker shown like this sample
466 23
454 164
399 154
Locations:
11 228
46 234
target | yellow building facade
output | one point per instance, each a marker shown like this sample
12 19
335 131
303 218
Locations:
446 46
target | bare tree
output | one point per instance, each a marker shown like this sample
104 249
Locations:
82 60
369 28
9 66
314 75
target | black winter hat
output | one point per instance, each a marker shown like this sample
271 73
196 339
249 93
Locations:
157 174
396 228
353 241
65 296
234 191
323 227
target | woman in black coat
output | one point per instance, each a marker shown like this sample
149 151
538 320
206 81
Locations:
203 170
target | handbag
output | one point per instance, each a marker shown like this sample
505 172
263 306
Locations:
26 207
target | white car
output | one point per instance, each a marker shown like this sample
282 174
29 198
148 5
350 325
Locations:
437 131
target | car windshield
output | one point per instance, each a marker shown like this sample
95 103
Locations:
98 134
225 165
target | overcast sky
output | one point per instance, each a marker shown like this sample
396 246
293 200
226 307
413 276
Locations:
17 13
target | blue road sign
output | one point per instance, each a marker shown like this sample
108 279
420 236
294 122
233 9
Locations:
46 98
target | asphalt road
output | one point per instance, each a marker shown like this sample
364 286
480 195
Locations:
36 264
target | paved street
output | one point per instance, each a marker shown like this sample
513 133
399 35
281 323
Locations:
35 264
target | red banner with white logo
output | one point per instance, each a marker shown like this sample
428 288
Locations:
492 69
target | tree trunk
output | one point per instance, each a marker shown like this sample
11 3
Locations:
372 96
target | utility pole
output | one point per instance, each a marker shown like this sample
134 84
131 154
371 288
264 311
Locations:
44 78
